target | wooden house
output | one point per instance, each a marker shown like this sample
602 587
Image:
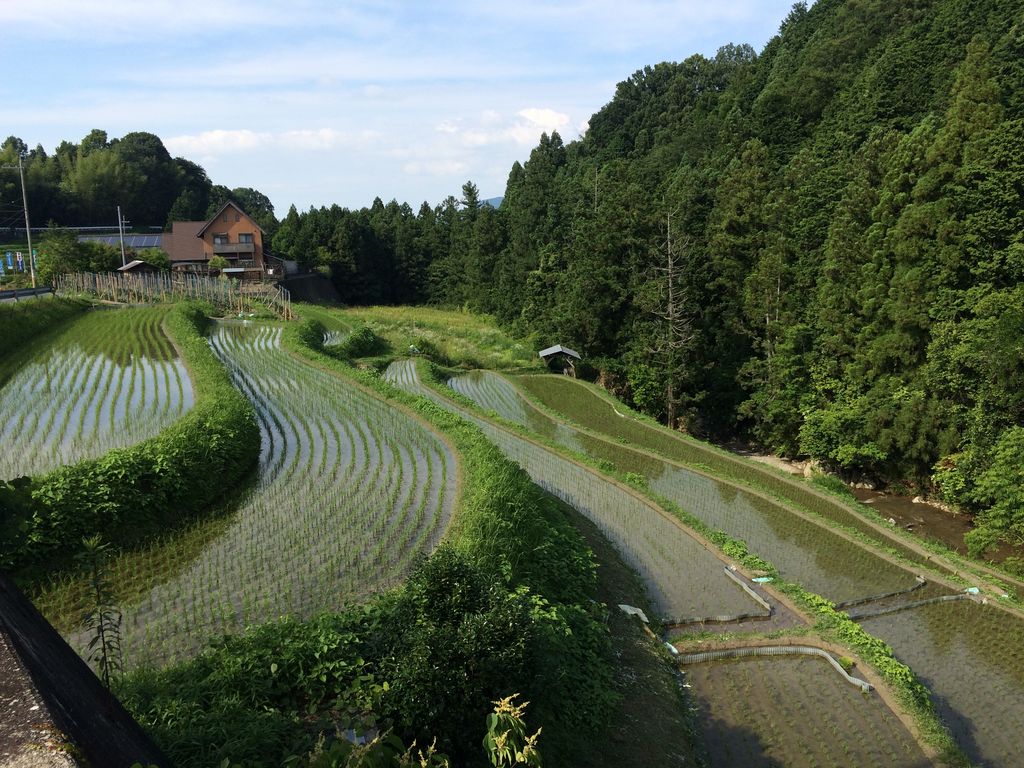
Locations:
230 234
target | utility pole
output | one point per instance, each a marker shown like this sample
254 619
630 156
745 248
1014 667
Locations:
120 232
28 228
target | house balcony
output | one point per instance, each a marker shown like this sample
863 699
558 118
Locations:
223 249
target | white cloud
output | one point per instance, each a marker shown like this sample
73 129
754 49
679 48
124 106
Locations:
536 121
324 138
217 142
434 167
492 128
223 142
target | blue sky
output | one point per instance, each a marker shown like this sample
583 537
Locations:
316 102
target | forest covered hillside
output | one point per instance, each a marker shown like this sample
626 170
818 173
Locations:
818 247
840 220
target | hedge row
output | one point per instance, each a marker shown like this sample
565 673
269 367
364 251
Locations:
130 493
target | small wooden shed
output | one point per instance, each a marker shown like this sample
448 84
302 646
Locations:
561 358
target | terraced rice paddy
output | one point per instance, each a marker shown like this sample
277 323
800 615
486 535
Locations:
580 404
495 393
350 490
809 554
796 711
971 657
684 578
110 380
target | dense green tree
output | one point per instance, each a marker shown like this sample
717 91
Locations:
147 159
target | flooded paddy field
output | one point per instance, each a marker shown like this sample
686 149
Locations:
795 711
583 406
971 657
111 379
685 579
812 555
350 491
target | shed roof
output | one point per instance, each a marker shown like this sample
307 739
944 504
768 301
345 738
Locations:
132 265
558 348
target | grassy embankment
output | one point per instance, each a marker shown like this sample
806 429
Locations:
448 337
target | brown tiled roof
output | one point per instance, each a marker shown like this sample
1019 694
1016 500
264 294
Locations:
182 243
217 215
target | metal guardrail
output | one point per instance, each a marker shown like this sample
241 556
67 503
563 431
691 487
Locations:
17 294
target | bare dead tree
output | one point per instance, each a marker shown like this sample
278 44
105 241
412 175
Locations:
675 330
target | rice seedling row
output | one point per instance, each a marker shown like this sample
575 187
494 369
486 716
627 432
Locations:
685 579
795 711
350 491
578 403
808 554
109 381
971 657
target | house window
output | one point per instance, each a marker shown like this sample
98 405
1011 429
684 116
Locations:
225 219
245 237
238 217
220 239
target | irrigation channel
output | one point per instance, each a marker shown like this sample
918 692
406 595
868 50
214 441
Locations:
109 380
349 491
970 656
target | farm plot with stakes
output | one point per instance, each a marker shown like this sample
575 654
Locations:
350 490
110 380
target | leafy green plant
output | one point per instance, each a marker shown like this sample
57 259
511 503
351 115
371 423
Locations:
103 620
506 741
